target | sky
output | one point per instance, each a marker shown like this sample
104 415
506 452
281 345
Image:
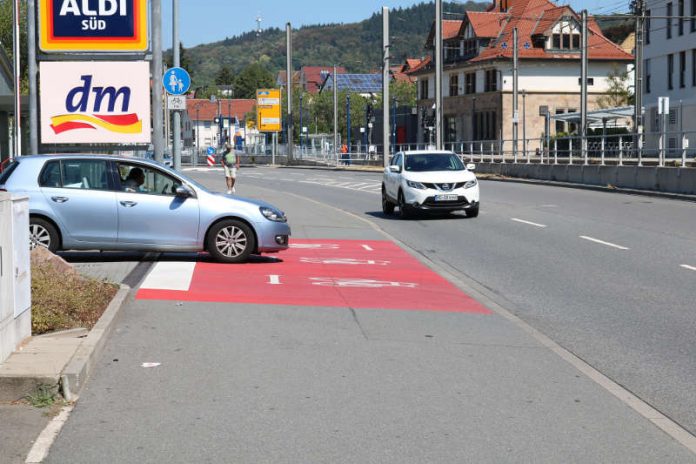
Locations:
204 21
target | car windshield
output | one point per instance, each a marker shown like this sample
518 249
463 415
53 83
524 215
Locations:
7 172
433 162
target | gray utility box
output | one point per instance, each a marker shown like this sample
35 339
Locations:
15 273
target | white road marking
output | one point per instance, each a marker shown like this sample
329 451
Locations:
43 443
686 266
170 276
274 279
368 248
529 223
601 242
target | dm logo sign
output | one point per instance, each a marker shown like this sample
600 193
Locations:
93 25
95 102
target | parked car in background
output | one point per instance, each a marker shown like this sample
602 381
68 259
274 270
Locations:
97 202
166 158
429 180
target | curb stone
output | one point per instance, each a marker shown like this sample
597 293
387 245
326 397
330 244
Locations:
80 366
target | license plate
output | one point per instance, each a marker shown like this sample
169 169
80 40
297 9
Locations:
445 197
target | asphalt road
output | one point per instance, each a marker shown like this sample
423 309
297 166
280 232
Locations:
278 383
611 277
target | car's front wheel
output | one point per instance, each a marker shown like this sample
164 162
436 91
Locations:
387 206
231 241
405 211
43 234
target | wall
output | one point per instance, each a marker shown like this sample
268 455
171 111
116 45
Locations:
668 180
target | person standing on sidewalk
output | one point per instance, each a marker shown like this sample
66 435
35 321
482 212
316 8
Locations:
230 161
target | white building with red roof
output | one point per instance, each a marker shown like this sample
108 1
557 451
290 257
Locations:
477 71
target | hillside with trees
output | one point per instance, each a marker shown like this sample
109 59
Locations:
356 46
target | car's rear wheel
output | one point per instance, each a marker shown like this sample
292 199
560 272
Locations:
387 206
405 211
231 241
472 212
43 234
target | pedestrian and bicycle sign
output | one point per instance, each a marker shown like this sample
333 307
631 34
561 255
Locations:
176 81
210 150
91 26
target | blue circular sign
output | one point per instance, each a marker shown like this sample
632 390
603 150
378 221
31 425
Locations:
211 150
176 81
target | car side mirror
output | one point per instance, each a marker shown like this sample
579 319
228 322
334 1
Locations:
471 167
395 168
183 192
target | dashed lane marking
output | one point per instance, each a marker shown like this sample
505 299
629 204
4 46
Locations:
602 242
529 223
686 266
170 276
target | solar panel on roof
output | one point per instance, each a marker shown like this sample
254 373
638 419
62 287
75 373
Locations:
361 83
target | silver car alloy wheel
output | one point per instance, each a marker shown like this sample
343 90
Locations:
231 241
38 236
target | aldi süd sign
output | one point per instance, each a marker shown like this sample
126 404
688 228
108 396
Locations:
93 25
95 102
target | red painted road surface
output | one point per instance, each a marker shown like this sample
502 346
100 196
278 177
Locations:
360 274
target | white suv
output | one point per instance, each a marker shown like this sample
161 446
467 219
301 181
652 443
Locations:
429 181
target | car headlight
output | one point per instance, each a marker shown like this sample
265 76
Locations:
273 214
471 183
415 185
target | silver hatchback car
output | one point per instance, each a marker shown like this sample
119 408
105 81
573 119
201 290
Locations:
96 202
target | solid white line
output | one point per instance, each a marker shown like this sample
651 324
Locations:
528 222
601 242
686 266
170 276
43 443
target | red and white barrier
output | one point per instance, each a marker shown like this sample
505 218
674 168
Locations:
211 160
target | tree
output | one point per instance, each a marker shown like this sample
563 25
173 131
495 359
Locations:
618 93
224 76
251 78
404 92
6 32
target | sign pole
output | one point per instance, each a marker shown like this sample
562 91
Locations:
31 57
177 115
157 123
17 127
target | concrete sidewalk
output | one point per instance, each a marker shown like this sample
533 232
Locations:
59 362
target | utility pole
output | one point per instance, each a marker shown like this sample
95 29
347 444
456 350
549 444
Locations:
348 123
335 111
31 57
176 61
583 88
17 126
385 84
515 106
638 80
438 74
156 67
289 79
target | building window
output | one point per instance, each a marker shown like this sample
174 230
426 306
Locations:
556 41
693 67
424 89
647 25
673 116
682 69
647 76
565 41
693 15
680 11
450 129
454 85
590 81
670 71
669 20
491 80
560 125
470 83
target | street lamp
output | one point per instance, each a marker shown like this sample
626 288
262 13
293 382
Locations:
198 139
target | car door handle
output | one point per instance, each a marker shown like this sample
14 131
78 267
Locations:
129 204
60 199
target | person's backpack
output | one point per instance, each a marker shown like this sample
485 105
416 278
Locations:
230 159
